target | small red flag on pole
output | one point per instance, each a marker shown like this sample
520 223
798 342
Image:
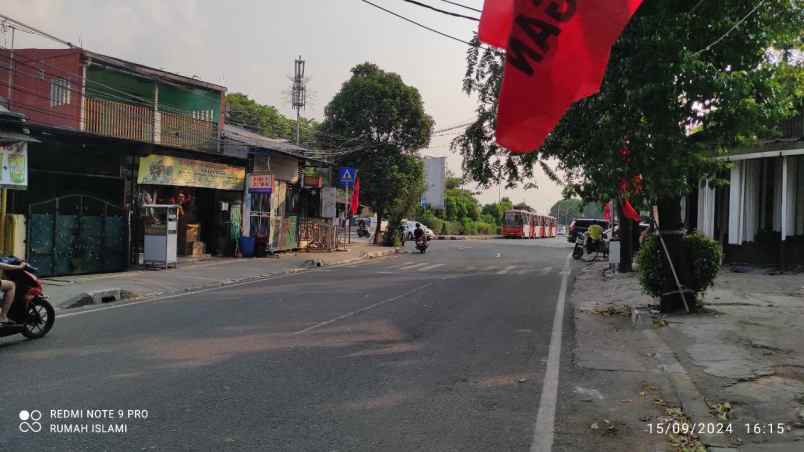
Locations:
556 53
355 201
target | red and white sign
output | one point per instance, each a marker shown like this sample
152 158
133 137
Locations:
262 183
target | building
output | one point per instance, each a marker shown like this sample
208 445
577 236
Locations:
759 216
290 200
114 136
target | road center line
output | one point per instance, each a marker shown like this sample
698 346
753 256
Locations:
430 267
361 310
544 427
408 267
506 269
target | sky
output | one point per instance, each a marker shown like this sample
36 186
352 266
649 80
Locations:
249 46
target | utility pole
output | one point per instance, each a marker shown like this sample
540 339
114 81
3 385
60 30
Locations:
299 96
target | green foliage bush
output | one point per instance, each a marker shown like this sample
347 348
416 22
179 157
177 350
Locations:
703 256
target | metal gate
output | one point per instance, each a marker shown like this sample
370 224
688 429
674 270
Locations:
76 234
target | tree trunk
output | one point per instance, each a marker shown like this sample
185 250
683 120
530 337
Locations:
626 241
671 230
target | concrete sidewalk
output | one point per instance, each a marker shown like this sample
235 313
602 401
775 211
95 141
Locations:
739 362
73 291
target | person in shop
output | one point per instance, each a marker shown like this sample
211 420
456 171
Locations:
9 288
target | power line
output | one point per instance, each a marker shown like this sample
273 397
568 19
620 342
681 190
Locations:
462 6
39 32
734 27
442 11
417 23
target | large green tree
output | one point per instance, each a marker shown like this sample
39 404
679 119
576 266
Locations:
267 120
679 66
380 123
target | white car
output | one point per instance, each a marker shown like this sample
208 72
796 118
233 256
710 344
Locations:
410 227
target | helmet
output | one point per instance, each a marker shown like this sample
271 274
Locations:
418 225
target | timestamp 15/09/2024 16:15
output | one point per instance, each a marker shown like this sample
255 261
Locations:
712 428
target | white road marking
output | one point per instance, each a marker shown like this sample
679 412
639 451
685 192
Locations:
430 267
547 270
158 298
544 427
522 272
471 268
491 268
361 310
506 269
408 267
403 264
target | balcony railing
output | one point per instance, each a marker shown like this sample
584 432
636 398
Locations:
138 123
118 119
184 131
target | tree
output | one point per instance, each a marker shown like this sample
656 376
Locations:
497 210
382 121
266 120
523 206
567 210
677 66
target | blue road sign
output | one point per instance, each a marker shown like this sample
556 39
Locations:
346 176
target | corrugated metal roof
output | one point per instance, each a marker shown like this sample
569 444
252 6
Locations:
237 136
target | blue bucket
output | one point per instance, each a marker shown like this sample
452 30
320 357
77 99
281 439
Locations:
247 246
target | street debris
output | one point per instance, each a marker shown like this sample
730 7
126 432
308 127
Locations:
660 323
622 310
721 410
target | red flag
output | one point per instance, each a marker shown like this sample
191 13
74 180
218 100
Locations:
557 52
629 211
495 22
606 211
356 197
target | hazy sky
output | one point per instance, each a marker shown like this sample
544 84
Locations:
249 46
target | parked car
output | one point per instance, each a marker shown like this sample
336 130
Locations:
410 227
580 225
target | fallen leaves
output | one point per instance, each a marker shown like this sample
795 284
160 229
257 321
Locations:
721 410
614 310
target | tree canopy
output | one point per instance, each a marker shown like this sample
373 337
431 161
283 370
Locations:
669 72
267 120
382 121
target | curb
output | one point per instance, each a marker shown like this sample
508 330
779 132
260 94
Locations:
103 296
469 237
692 401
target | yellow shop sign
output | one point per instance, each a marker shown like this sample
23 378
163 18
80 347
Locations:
167 170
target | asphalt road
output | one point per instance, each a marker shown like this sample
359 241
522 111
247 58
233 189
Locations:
444 351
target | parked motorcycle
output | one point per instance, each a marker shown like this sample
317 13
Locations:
362 230
584 245
421 244
31 310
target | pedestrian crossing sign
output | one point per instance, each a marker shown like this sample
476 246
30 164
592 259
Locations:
346 176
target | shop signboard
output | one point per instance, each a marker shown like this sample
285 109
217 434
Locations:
14 170
166 170
261 183
328 209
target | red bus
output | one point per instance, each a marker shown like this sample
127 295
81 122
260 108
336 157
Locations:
519 224
522 224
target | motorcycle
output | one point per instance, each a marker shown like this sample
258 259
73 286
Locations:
31 310
584 245
362 230
421 244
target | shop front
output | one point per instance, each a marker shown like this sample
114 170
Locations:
209 197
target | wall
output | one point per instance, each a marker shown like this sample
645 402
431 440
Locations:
285 168
34 69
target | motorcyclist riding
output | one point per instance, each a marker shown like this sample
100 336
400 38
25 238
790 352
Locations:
10 288
418 234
